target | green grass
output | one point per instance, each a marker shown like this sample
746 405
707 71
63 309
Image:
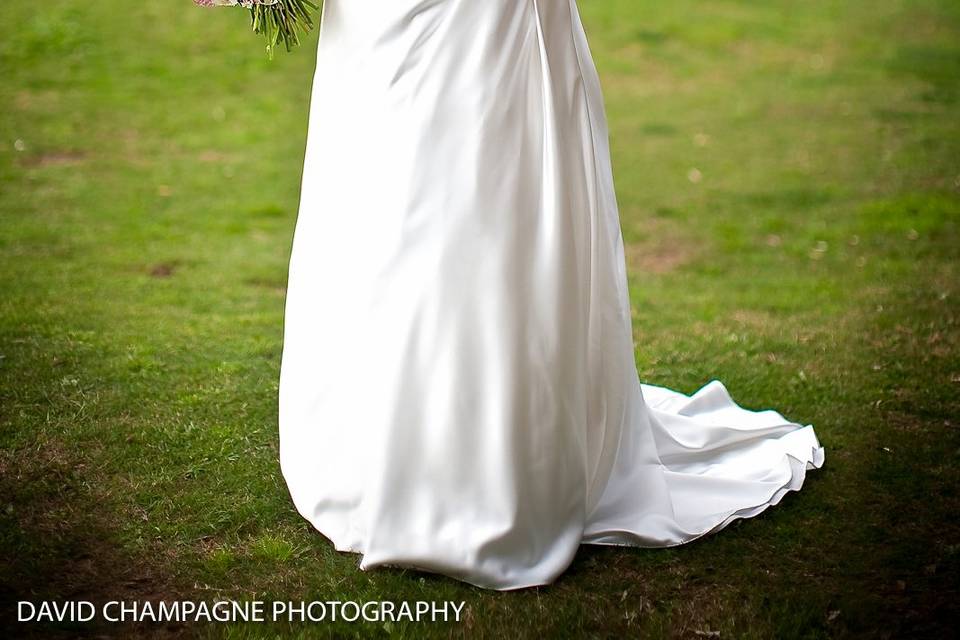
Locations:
789 186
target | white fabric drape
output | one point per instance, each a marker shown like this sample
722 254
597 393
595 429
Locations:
458 390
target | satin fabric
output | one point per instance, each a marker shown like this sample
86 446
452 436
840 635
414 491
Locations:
458 390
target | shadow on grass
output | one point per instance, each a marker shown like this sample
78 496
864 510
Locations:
60 544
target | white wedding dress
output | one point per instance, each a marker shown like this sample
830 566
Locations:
458 390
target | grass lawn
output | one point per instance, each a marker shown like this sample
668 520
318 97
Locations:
789 182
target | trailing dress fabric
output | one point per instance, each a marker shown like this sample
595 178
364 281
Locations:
458 390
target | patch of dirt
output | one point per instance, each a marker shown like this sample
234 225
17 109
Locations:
211 155
54 158
163 269
662 251
271 284
30 99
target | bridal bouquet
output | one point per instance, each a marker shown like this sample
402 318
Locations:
278 20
